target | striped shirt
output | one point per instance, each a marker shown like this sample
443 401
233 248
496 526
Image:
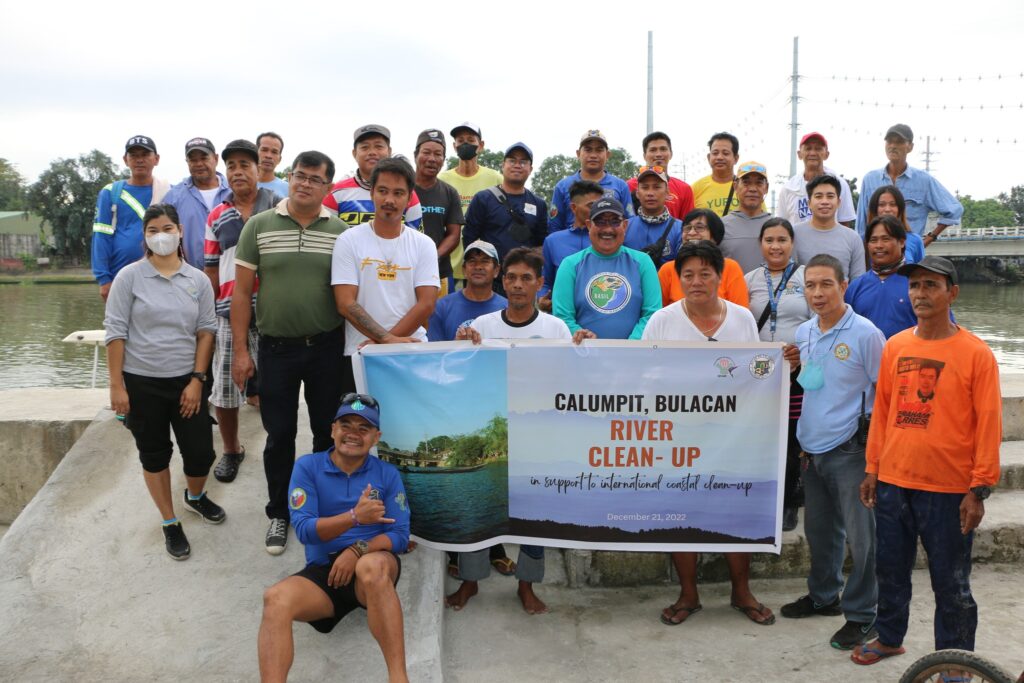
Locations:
352 203
294 269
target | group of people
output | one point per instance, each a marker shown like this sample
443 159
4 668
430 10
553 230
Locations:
306 274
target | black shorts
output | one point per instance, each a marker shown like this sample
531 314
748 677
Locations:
343 598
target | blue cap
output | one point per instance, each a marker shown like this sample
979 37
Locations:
357 407
519 145
606 204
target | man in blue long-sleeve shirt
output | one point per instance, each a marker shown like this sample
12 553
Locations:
922 192
350 512
196 195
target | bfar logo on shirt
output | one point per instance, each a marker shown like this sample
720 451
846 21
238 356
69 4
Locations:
608 292
297 498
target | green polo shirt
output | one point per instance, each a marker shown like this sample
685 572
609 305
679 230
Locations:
294 270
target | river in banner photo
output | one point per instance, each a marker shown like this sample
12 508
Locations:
459 507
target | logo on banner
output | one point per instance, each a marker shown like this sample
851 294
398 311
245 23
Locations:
725 366
761 367
608 292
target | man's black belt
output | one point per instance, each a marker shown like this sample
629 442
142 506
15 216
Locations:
311 340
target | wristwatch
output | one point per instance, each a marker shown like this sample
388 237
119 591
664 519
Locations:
981 492
361 548
201 376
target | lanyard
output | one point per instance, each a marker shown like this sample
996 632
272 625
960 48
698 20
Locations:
774 296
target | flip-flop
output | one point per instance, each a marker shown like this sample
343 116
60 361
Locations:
504 565
670 621
750 611
879 655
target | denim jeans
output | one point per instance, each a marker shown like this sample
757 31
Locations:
476 566
284 365
904 515
833 516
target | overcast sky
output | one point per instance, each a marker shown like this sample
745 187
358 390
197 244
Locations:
79 76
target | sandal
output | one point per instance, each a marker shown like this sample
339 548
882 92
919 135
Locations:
676 611
754 612
504 565
858 654
227 469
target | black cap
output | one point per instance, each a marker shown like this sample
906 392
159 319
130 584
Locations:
140 141
243 146
203 144
606 205
371 129
935 264
901 129
430 135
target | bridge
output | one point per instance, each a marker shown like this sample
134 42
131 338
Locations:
960 242
409 459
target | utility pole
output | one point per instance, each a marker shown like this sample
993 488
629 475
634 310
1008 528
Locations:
928 153
794 98
650 81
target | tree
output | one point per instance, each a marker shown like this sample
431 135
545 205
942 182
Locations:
496 436
985 213
854 194
556 167
488 158
65 197
1015 202
12 187
468 450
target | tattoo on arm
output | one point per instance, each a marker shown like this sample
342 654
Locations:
359 317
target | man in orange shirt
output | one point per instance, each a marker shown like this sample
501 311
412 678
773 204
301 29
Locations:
932 458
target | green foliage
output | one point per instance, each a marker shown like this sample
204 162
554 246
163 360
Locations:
489 158
65 197
434 445
468 450
554 168
12 187
1015 202
985 213
853 191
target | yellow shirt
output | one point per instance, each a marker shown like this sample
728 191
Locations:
708 193
467 187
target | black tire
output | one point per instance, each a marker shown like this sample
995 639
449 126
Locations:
958 660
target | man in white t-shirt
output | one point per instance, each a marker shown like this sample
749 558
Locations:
521 320
793 202
384 273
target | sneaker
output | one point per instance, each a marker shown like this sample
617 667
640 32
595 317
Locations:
852 634
175 541
805 607
227 469
205 508
789 517
277 535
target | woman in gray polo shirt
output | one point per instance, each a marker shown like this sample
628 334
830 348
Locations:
160 328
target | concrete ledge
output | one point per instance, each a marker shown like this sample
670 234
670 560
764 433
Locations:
90 594
37 427
1012 385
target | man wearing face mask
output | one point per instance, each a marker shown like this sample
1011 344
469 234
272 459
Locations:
195 196
350 198
840 352
468 177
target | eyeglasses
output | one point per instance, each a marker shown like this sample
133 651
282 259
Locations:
644 169
512 161
365 399
610 222
695 228
311 180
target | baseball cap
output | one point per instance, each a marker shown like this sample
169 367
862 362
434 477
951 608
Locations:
812 136
430 135
901 129
243 146
657 171
480 245
606 205
593 134
466 125
935 264
363 405
140 141
519 145
749 167
371 129
203 144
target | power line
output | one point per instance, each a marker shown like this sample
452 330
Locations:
927 107
981 78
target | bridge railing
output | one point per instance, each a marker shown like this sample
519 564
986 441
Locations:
959 234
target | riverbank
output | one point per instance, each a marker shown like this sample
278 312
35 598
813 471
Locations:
67 276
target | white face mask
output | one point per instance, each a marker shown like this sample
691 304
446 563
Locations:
163 243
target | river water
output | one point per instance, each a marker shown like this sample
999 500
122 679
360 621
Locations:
36 317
